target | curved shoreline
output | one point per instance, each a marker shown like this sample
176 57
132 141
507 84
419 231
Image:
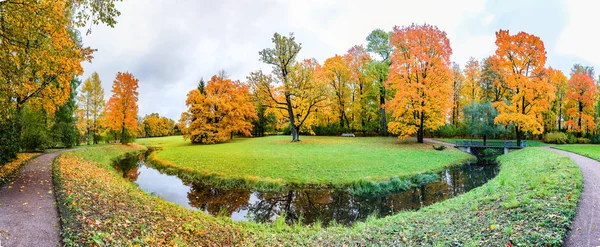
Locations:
356 187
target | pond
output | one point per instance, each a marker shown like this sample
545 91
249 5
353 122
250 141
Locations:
307 206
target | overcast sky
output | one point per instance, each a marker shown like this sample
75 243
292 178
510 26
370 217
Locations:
169 44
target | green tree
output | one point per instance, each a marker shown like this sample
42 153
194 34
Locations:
64 128
479 117
283 57
379 43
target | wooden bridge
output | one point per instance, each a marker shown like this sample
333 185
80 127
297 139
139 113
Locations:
475 147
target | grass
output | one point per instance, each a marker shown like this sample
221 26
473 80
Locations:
8 170
589 150
531 202
530 143
270 162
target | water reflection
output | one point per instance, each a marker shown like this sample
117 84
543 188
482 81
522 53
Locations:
309 206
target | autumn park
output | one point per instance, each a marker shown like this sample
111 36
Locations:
393 141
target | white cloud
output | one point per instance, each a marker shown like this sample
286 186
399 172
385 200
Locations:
579 37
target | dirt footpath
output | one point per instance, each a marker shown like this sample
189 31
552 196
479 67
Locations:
28 214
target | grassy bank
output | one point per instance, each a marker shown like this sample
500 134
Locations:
272 163
11 168
99 208
531 202
587 150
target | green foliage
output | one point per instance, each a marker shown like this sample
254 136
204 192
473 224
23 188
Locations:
595 139
64 130
556 138
571 138
9 141
450 131
479 117
34 133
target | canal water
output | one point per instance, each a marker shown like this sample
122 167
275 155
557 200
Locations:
307 206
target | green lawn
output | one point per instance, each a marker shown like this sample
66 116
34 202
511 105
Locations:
313 161
530 143
588 150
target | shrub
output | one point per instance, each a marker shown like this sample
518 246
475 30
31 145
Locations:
572 138
595 139
556 138
9 140
439 148
583 140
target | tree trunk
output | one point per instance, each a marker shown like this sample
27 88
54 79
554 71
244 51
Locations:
420 131
559 115
484 140
295 134
384 131
518 136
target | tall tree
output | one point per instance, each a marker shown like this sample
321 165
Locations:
581 96
472 86
493 83
122 108
457 88
338 77
361 83
91 106
521 60
300 92
222 111
559 81
422 76
379 43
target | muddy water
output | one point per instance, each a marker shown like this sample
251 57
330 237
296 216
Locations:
307 206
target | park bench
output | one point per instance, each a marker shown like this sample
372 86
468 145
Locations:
348 135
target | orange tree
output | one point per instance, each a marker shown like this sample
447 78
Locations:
520 61
223 109
122 108
581 96
421 74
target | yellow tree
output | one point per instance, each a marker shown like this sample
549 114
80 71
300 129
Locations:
40 50
338 77
215 115
457 88
559 81
472 87
521 60
91 106
122 108
421 74
291 93
581 97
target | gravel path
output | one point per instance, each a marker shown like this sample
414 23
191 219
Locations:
28 214
585 230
